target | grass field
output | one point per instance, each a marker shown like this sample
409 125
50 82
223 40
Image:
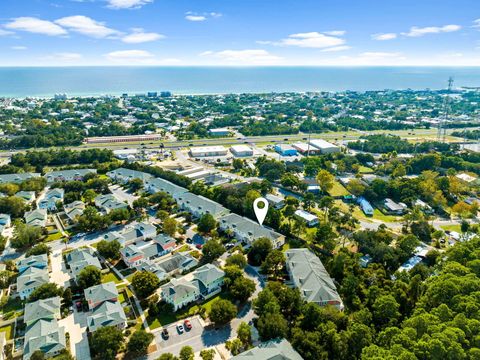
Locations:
111 277
8 330
456 228
53 237
338 190
365 170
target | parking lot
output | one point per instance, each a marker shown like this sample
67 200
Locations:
175 337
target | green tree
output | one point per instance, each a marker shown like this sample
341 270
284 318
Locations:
139 341
145 283
167 356
274 263
38 355
234 345
259 251
212 249
237 260
272 326
106 342
385 311
222 311
186 353
135 184
25 235
45 291
207 354
170 226
109 249
325 180
38 249
89 276
242 288
12 205
206 223
244 334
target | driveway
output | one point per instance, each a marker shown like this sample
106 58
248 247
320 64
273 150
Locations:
59 274
122 195
198 338
76 325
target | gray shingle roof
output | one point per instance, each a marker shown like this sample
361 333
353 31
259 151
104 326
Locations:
109 313
271 350
45 335
41 309
100 293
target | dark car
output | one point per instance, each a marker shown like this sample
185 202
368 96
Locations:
165 333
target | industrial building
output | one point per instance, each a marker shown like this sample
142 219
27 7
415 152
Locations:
241 150
324 146
129 138
286 150
205 151
305 149
219 132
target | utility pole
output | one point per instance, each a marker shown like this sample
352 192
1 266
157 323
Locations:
442 130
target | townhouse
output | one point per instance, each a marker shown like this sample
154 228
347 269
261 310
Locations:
17 178
37 217
32 273
154 185
104 307
42 329
247 231
199 205
51 198
124 175
308 274
109 202
28 196
68 175
201 284
79 259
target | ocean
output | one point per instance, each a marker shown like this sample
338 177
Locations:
84 81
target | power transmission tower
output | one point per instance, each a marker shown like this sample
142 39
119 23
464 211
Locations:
442 130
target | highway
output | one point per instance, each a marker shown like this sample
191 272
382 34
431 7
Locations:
414 135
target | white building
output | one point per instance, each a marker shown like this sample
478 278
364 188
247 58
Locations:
205 151
324 146
241 150
309 219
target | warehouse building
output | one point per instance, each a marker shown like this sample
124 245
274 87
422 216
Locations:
286 150
205 151
219 132
241 150
305 149
324 146
116 139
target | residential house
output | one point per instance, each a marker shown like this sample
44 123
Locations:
427 209
114 235
37 261
276 201
309 219
68 175
394 208
200 284
178 263
165 244
154 185
124 175
140 231
51 198
365 206
132 256
17 178
278 349
153 267
199 205
308 274
32 273
79 259
246 230
105 309
28 196
42 329
109 202
37 217
74 210
5 221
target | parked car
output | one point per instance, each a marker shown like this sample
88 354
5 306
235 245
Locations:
188 324
165 333
180 328
199 246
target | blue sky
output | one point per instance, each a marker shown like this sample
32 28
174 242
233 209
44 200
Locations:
243 32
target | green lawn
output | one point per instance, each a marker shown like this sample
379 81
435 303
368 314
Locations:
377 214
338 190
161 320
8 330
121 297
111 277
53 237
182 248
456 228
365 170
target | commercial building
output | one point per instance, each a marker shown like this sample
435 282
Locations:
241 150
206 151
324 146
286 150
305 149
120 139
308 274
219 132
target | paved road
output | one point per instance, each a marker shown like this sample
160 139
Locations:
123 195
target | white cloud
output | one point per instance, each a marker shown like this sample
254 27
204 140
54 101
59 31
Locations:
417 31
476 23
86 26
335 32
195 18
384 36
139 36
380 54
336 48
192 16
35 25
19 47
62 57
127 4
244 57
128 57
310 40
5 32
